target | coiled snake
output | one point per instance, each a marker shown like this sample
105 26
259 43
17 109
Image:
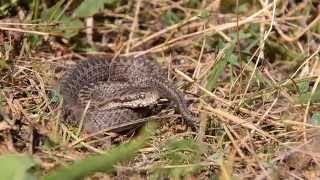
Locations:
116 92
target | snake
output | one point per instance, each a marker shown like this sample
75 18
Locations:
116 92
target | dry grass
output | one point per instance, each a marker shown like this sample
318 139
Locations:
246 75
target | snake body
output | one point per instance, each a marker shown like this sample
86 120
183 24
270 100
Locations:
116 91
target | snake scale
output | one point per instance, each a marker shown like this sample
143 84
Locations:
116 91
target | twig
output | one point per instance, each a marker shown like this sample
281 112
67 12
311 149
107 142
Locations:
134 25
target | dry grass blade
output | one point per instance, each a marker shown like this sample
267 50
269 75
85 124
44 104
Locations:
224 115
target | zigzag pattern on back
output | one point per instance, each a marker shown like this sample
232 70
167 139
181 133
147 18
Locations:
111 95
84 73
